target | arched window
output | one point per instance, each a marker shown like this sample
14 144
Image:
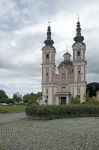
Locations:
63 75
78 71
47 56
78 53
63 89
47 74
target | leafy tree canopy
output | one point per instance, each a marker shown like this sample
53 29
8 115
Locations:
17 97
92 89
3 96
30 98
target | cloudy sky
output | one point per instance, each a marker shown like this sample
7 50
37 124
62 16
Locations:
23 25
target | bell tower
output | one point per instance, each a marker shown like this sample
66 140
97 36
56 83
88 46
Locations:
48 69
79 63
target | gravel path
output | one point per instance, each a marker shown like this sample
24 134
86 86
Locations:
61 134
11 117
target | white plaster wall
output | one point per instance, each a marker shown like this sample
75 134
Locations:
75 55
75 91
82 73
44 74
82 54
50 74
50 95
57 100
54 97
50 57
71 90
75 73
43 95
43 58
82 93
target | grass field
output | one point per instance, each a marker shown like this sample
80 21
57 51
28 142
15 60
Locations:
12 109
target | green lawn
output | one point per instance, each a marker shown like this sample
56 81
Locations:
12 109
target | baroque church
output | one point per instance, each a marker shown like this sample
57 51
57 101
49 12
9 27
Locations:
70 81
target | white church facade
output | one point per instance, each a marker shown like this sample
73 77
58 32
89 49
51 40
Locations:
70 81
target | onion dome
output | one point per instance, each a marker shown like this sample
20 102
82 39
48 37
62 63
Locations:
49 41
67 61
78 37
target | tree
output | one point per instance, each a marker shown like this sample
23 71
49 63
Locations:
74 100
17 97
10 101
30 98
3 96
92 89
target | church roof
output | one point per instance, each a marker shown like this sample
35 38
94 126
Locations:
67 54
49 41
66 63
78 37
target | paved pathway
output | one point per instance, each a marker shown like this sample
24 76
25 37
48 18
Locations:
60 134
11 117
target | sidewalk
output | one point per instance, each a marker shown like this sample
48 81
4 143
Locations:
11 117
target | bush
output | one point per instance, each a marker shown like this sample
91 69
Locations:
91 100
94 101
55 112
74 100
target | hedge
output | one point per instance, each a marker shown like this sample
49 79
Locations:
55 112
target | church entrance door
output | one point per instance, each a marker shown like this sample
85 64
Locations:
63 100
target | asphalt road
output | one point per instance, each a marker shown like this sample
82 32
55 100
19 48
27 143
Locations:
11 117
